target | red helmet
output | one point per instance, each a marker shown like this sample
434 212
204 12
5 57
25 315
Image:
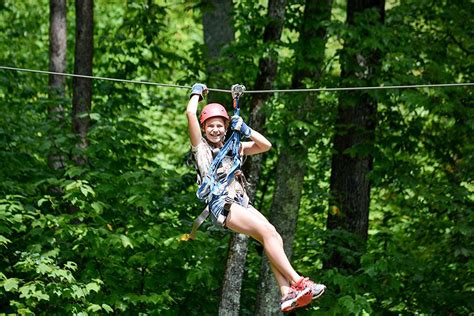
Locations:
213 110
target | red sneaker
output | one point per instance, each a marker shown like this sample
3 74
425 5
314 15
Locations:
301 294
295 298
316 289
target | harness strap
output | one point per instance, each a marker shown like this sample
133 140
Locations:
212 190
213 187
197 222
204 215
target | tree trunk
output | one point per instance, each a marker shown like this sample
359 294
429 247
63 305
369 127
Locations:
352 143
230 304
57 46
82 87
219 32
265 78
57 63
291 164
217 25
284 210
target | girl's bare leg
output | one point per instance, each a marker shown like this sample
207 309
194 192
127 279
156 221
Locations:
254 224
283 283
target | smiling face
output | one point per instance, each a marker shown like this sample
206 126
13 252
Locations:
215 130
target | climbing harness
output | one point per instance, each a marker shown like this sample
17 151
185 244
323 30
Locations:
213 188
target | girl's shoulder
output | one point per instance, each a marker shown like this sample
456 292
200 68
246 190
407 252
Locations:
202 145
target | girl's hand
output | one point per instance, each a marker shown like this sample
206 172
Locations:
238 124
199 89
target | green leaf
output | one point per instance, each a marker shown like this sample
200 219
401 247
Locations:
43 268
4 241
94 308
10 285
41 201
95 116
27 290
98 207
41 296
107 308
93 287
126 242
86 190
75 171
348 302
77 292
73 185
71 265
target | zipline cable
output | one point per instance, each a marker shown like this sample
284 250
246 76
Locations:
167 85
432 85
93 77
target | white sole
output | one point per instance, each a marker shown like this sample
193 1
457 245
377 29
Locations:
319 294
292 302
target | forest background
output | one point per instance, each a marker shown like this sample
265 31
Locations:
372 190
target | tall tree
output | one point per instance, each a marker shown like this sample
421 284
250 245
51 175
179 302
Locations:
265 79
82 87
218 33
292 160
354 137
57 63
218 28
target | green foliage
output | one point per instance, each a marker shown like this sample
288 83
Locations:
104 238
418 256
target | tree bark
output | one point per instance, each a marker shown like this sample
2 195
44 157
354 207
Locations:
352 143
82 87
57 46
217 25
219 32
291 164
233 276
265 78
264 81
57 63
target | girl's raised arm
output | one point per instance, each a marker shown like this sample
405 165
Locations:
198 90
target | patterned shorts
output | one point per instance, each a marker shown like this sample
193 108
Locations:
220 207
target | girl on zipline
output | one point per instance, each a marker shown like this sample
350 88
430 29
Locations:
236 214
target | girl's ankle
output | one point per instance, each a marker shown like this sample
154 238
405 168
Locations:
284 290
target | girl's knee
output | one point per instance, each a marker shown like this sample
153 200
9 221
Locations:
269 231
278 236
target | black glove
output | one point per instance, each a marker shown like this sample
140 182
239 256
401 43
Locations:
200 89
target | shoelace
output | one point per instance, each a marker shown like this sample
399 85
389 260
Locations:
300 285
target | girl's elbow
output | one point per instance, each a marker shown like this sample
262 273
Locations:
268 146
